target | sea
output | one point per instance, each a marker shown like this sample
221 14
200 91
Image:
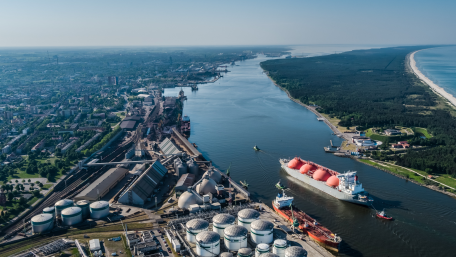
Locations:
244 108
439 65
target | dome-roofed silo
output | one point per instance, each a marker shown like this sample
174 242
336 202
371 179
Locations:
245 252
62 204
84 205
221 221
49 210
261 231
226 254
235 237
246 217
99 210
206 186
207 244
42 222
188 198
295 251
194 227
71 216
213 174
261 249
279 247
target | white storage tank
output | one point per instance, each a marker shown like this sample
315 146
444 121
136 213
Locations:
194 227
246 217
99 210
42 222
62 204
235 237
84 205
261 249
49 210
71 216
269 255
245 252
192 167
261 231
295 251
208 244
226 254
221 221
279 247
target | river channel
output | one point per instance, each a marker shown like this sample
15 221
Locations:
245 108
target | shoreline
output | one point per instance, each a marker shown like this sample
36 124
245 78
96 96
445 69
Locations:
434 87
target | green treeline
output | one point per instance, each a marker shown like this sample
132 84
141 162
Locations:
373 88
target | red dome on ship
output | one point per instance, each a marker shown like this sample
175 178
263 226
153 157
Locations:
321 175
305 168
295 164
332 181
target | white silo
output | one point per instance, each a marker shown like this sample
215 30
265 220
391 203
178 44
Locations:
84 205
188 198
99 210
42 222
226 254
62 204
246 217
49 210
295 251
71 216
261 231
245 252
279 247
194 227
269 255
235 237
221 221
206 186
208 244
214 175
261 249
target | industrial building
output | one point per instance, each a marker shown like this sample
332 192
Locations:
185 182
102 185
168 147
141 190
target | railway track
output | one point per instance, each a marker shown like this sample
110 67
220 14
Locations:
79 179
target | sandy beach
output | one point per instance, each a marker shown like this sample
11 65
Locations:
438 90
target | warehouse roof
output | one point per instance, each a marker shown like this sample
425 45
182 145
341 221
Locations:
129 124
103 183
168 147
135 117
186 180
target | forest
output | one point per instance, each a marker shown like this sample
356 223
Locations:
373 88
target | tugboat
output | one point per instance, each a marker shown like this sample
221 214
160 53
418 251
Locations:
382 215
256 148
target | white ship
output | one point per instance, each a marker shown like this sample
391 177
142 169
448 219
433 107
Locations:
343 186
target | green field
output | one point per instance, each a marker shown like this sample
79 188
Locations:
422 131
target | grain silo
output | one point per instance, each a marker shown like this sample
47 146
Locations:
71 216
49 210
84 205
42 222
261 249
208 244
246 217
235 237
99 210
261 231
245 252
221 221
189 198
194 227
279 247
295 251
192 167
206 186
62 204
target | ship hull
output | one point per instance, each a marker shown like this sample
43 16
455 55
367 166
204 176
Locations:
320 185
333 246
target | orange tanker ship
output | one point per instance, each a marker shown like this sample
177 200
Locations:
283 206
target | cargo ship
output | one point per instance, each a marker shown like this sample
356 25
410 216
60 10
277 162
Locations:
283 205
343 186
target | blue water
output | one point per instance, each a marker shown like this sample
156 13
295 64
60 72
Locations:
439 65
244 108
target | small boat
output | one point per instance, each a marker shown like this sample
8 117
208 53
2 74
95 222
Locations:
280 186
256 148
382 215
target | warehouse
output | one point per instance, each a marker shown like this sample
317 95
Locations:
168 147
128 125
143 188
102 185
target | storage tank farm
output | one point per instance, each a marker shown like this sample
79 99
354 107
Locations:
194 227
246 217
84 205
180 167
295 251
99 210
71 216
245 252
261 249
207 244
61 205
49 210
279 247
221 221
235 237
42 222
261 231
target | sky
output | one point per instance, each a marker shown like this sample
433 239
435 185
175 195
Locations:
26 23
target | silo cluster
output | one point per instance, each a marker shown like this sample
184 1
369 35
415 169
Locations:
193 167
61 205
180 167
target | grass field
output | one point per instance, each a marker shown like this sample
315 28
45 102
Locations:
423 131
